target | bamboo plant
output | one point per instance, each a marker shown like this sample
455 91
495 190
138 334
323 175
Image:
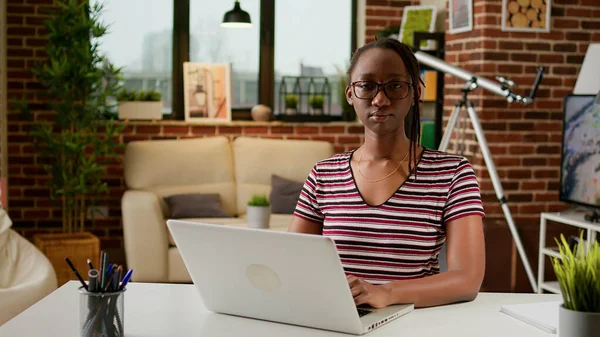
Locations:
578 274
77 141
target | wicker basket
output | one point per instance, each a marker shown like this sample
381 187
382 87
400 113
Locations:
78 247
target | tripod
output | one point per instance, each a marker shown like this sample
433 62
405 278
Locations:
472 114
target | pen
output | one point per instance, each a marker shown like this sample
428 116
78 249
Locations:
93 280
76 273
108 281
126 279
100 265
104 268
116 278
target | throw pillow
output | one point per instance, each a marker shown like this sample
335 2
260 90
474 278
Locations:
284 194
196 206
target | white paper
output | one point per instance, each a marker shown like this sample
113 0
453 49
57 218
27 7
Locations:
543 315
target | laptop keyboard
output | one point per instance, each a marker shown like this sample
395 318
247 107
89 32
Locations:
362 312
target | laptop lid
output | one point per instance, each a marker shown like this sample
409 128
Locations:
276 276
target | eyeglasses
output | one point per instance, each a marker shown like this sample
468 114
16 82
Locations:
370 89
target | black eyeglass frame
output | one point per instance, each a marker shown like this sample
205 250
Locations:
380 85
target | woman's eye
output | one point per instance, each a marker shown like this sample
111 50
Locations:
397 86
367 86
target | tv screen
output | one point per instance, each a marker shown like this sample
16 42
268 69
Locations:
580 162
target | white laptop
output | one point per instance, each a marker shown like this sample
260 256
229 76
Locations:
275 276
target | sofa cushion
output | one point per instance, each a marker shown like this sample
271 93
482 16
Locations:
196 206
284 194
257 159
168 167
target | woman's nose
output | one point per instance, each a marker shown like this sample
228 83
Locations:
380 99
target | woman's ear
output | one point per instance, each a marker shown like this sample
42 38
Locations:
349 94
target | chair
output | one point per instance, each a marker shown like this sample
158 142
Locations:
26 275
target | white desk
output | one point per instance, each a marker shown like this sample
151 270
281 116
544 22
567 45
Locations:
177 310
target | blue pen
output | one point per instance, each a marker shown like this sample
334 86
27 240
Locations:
126 279
109 270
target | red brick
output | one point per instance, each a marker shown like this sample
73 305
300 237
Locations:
356 129
256 130
20 31
533 185
589 25
307 129
551 58
204 130
532 209
332 129
329 139
147 129
179 130
510 45
534 161
281 129
34 21
298 137
546 196
229 130
538 46
522 57
521 149
13 9
565 23
545 173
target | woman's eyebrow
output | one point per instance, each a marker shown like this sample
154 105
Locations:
371 75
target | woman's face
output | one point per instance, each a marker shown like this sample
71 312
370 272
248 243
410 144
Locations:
381 114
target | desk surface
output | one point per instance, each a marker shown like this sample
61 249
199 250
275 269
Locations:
177 310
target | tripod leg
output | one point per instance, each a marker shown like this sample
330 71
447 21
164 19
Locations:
499 191
450 128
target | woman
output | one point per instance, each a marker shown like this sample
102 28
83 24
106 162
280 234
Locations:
391 204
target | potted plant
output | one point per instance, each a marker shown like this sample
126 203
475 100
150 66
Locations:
316 103
139 105
77 141
291 104
578 274
258 212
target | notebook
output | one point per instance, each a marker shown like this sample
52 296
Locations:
543 315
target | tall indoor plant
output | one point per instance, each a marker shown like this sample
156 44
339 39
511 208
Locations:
578 274
77 141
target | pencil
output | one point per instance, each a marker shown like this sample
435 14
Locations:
76 273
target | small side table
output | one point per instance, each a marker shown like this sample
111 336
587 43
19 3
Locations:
569 218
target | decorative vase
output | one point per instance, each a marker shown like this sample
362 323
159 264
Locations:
261 113
578 323
258 216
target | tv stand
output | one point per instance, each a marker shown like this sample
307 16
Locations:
592 216
575 218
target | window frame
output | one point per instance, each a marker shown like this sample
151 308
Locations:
266 67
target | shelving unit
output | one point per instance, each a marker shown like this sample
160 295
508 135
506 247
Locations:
437 104
569 218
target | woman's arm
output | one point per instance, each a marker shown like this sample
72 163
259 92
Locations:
462 281
301 225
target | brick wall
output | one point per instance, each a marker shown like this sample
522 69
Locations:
525 140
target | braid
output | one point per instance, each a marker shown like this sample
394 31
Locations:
412 66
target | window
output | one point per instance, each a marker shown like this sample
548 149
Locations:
140 40
311 37
210 43
312 43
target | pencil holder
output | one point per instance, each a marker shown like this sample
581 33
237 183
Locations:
101 314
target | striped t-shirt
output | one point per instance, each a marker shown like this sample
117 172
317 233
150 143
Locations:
401 238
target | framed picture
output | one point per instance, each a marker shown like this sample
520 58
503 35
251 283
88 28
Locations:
417 19
526 16
207 92
460 13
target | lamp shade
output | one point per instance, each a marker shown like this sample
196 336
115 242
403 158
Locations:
236 18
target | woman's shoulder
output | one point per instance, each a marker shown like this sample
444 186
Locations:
437 158
336 161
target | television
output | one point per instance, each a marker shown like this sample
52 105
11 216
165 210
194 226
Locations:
580 158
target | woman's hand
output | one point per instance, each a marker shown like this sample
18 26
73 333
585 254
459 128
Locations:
367 293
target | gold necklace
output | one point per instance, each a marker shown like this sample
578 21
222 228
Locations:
380 179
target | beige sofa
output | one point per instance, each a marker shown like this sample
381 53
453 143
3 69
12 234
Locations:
234 169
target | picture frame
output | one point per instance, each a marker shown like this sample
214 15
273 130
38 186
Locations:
534 17
417 19
207 92
460 15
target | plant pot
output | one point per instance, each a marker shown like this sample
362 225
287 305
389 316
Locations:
258 216
140 110
290 111
78 247
577 323
317 111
